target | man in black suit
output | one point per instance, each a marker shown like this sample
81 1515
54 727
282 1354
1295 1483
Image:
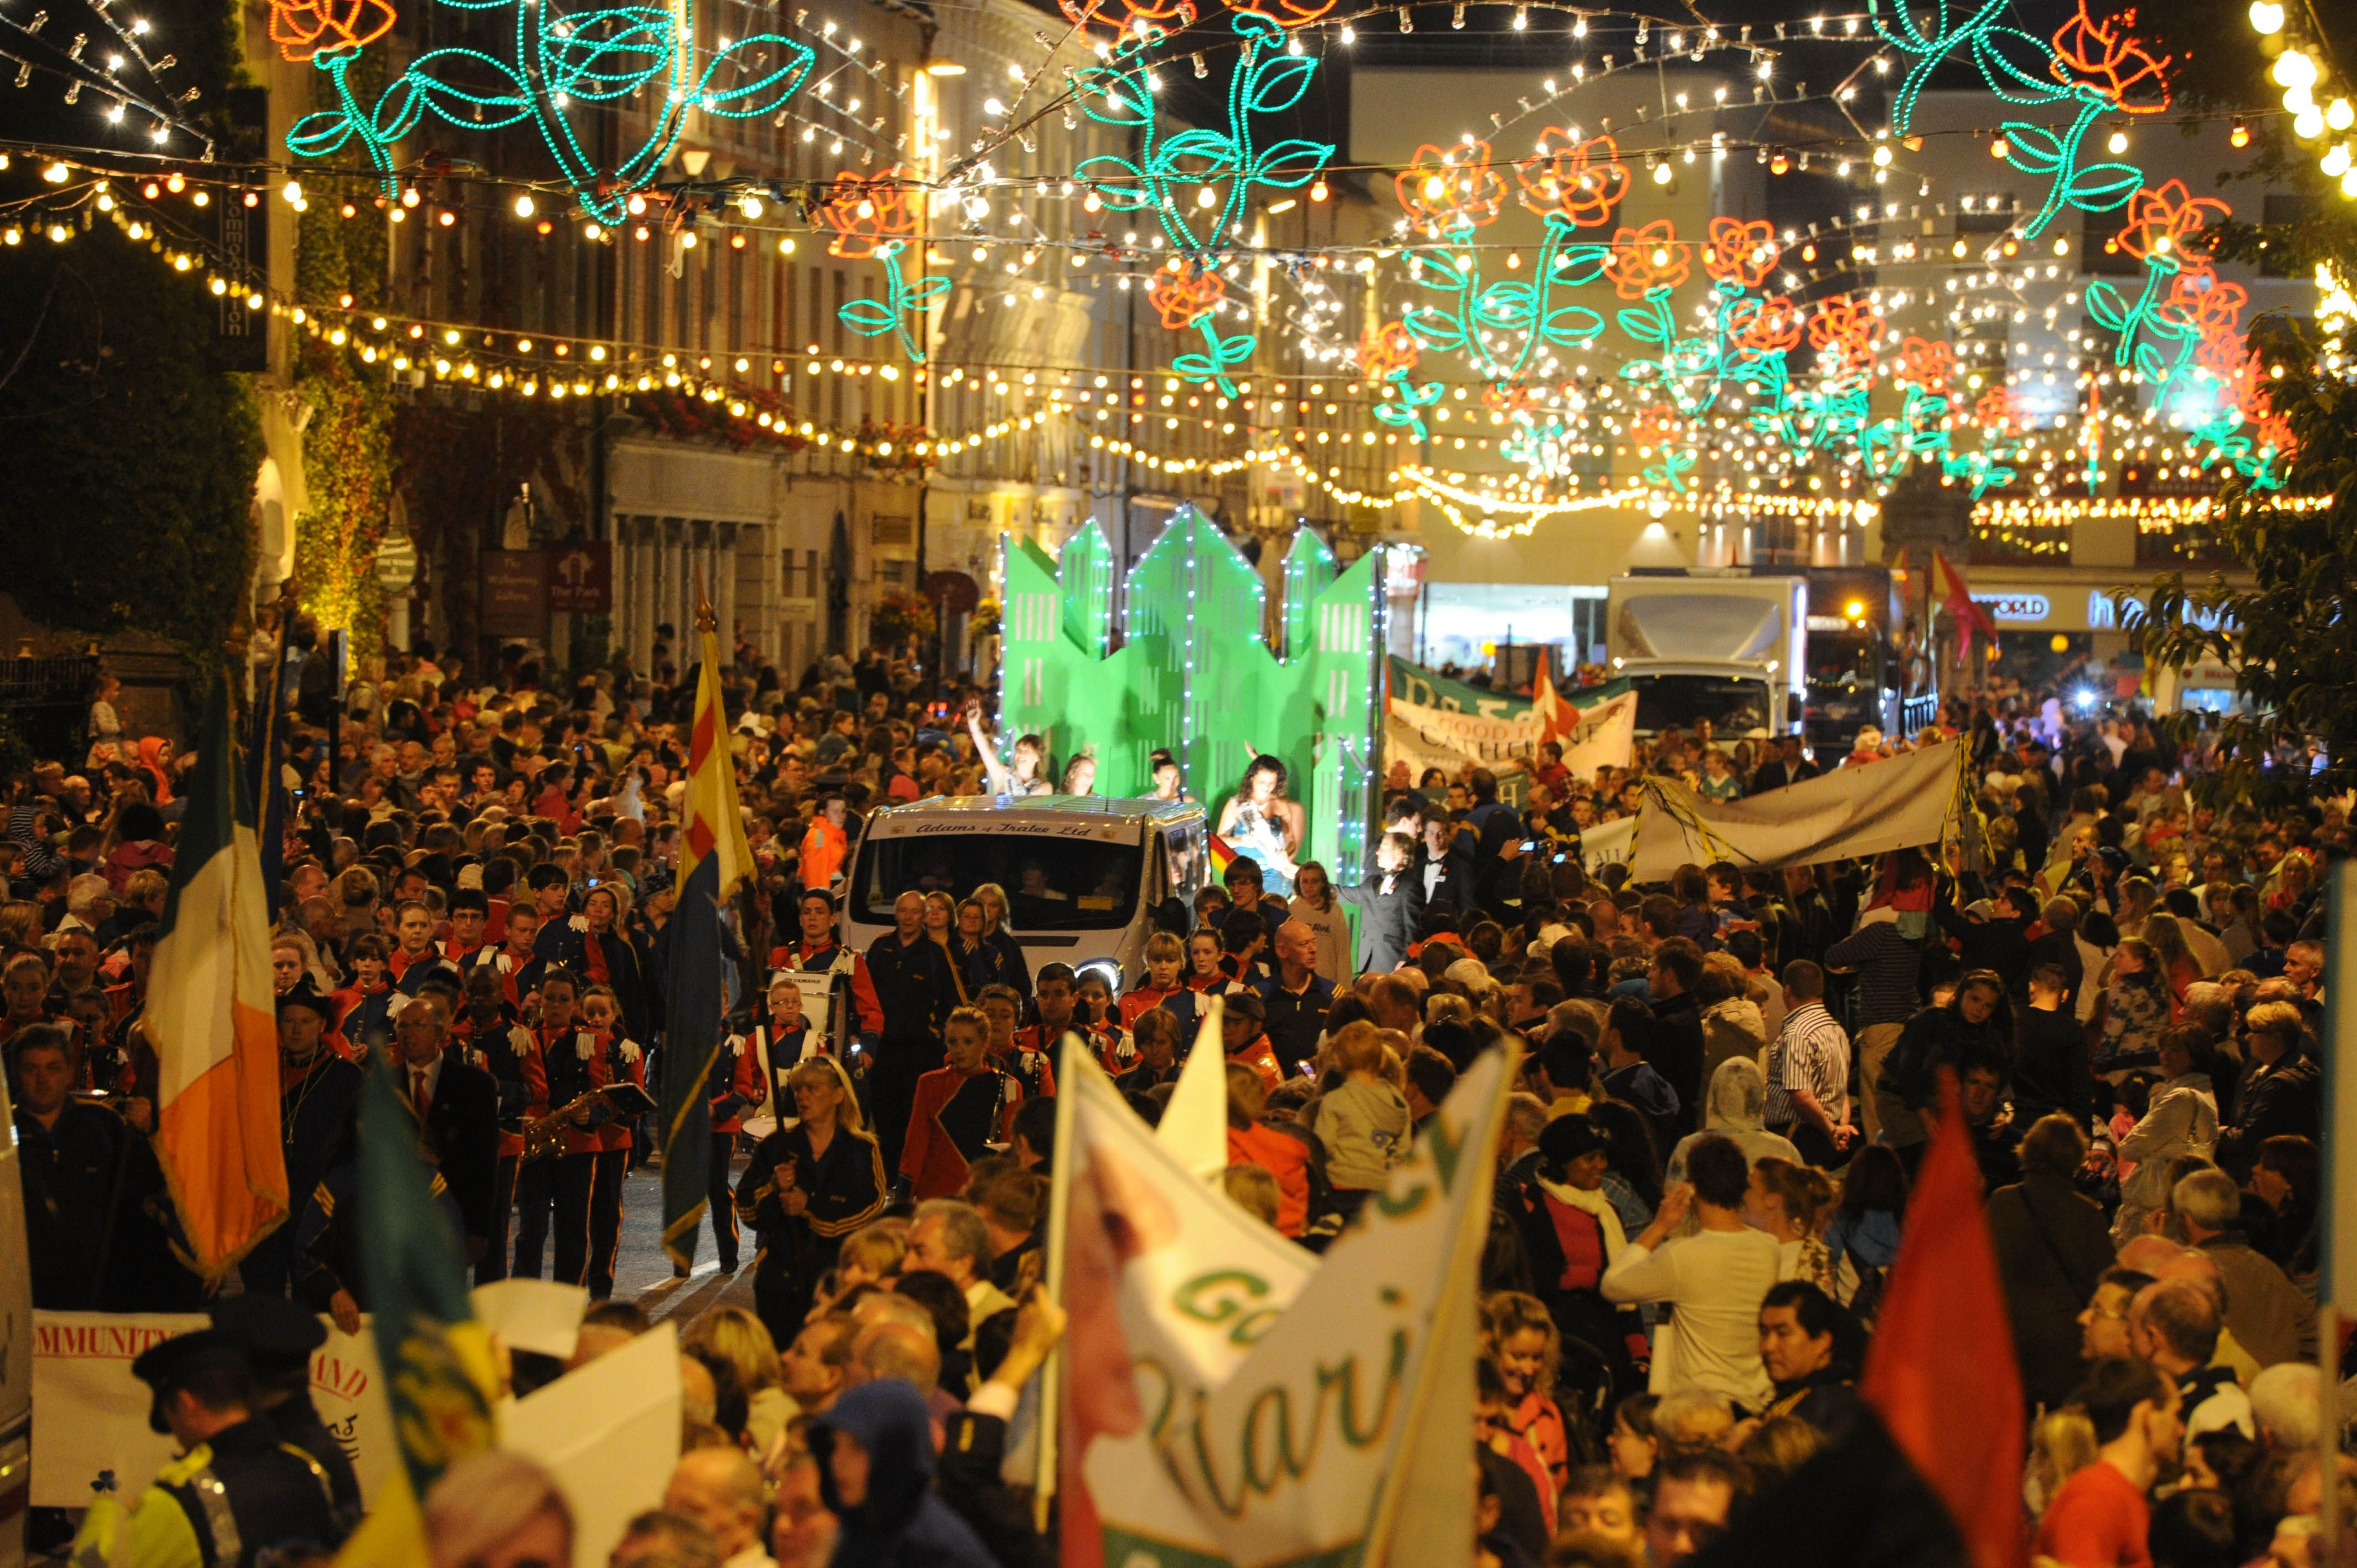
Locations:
1787 767
1444 874
458 1105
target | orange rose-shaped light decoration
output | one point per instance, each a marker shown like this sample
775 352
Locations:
1647 258
1450 191
1657 425
1843 332
2167 223
868 216
1510 401
1385 351
2201 301
2274 430
304 29
1926 364
1290 13
1765 326
2110 61
1998 411
1580 182
1741 253
1183 291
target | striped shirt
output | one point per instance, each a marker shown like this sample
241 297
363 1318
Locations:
1888 965
1811 1053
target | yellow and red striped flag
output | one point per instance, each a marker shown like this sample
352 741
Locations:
212 1020
715 858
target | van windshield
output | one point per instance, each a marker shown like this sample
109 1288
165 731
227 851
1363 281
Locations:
1052 884
1735 705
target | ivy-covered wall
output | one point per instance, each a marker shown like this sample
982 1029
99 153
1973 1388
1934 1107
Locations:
348 445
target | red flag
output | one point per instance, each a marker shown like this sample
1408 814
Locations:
1957 600
1557 719
1940 1372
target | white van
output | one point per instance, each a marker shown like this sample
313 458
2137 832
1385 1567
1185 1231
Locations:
1087 878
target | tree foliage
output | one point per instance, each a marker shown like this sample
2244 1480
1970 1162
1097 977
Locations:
2288 637
126 465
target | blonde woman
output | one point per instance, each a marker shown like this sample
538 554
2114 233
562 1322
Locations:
808 1186
737 1337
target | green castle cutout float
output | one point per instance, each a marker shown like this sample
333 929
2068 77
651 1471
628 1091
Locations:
1195 675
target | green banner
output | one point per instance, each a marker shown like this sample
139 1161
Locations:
1429 689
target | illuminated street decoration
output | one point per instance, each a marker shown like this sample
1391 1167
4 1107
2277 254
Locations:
302 30
873 218
561 59
2092 68
1174 174
1745 342
1500 327
1385 358
1188 294
2164 231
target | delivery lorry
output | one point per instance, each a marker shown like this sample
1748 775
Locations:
1726 648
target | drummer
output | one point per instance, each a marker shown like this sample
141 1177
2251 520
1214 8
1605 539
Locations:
774 1048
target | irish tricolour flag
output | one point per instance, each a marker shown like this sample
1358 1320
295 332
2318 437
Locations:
211 1020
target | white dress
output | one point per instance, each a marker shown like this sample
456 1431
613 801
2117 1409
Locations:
1260 838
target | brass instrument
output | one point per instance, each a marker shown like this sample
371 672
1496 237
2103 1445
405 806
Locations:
543 1136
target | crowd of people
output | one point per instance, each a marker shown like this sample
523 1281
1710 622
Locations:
1728 1083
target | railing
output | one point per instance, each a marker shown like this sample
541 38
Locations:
2180 542
1917 714
46 702
2019 542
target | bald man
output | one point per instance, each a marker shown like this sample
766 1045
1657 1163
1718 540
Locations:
2165 1261
898 1350
722 1489
1296 997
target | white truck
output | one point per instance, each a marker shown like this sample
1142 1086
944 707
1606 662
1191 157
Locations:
1727 648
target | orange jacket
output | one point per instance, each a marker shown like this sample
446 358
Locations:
1283 1156
824 849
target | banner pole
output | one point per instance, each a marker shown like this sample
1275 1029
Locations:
2336 1251
1059 1210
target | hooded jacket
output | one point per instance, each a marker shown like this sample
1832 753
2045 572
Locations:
1734 1027
1736 1111
903 1523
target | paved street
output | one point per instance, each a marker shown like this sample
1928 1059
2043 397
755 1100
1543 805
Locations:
642 1273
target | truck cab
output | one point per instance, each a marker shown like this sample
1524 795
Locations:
1724 647
1087 878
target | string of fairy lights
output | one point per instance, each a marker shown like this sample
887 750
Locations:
1567 421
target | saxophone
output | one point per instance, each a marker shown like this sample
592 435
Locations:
543 1136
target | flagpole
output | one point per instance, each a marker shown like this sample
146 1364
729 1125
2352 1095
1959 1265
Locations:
2337 1252
1060 1218
1465 1265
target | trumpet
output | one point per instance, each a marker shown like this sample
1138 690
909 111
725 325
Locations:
544 1137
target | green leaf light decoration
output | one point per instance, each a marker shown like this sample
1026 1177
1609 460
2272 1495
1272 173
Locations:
2092 68
561 58
1173 175
874 218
